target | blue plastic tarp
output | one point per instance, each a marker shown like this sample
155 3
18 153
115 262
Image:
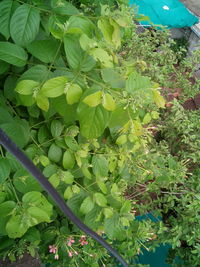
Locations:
168 13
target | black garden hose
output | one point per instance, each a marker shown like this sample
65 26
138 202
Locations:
9 145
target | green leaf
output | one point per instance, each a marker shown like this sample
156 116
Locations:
68 193
24 25
113 229
116 35
137 82
15 227
102 186
54 87
4 67
75 202
39 214
55 153
4 169
108 102
6 208
147 118
2 196
56 128
13 54
121 140
93 120
87 43
93 100
73 94
113 78
38 73
83 24
100 166
108 212
26 87
62 7
159 100
68 160
100 199
103 56
42 102
44 50
67 177
24 182
17 132
106 29
54 180
76 57
87 205
7 8
71 143
126 208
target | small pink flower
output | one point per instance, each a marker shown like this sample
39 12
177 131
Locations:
70 241
70 254
53 249
83 240
56 257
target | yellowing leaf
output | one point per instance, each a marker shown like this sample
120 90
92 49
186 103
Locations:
159 100
101 55
26 87
73 94
108 102
54 87
93 100
86 42
106 29
42 102
116 35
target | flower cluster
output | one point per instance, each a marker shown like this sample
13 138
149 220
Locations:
53 249
83 240
70 241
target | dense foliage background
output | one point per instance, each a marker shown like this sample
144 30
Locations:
81 95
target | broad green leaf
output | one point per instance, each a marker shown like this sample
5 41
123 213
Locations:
17 132
68 159
159 100
38 73
24 25
39 214
26 100
7 8
25 183
42 102
93 120
54 180
113 78
137 82
71 143
26 87
76 57
100 166
147 118
126 208
4 67
116 35
108 212
108 102
73 94
13 54
121 140
100 199
5 116
75 202
94 99
2 196
56 128
103 56
4 169
54 87
55 153
60 105
68 193
90 218
106 29
113 229
81 23
102 186
87 43
62 7
44 50
6 208
34 198
87 205
15 227
67 177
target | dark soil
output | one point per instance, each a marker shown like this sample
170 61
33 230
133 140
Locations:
26 261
